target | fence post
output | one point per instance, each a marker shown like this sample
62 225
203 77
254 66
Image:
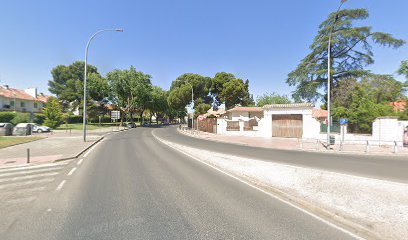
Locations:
28 155
367 147
341 146
395 147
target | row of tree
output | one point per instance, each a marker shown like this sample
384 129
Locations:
132 92
357 93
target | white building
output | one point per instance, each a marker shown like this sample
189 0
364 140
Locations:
27 100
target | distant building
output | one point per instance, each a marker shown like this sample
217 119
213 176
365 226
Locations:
27 100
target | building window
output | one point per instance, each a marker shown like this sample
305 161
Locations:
11 103
22 104
35 105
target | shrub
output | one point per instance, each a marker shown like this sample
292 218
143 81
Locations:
75 119
21 118
6 116
39 118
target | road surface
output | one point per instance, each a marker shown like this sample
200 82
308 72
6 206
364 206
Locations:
130 186
394 168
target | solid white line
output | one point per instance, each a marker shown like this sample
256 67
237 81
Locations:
80 161
60 185
263 191
33 171
72 171
27 167
90 150
28 177
19 184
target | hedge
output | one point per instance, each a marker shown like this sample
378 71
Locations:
6 117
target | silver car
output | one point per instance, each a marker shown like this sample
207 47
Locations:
39 129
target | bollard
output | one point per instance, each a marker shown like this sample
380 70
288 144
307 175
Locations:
317 144
395 147
367 150
28 155
341 146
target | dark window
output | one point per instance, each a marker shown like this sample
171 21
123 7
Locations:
22 104
35 105
11 103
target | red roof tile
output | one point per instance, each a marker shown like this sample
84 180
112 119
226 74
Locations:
399 105
21 94
319 113
246 109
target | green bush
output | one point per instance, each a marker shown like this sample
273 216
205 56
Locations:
75 119
6 116
39 118
21 118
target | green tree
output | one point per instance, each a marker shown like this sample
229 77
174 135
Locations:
272 98
201 108
53 113
362 110
233 93
158 103
67 82
130 90
350 53
403 70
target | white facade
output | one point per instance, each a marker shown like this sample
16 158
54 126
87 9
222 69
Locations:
20 105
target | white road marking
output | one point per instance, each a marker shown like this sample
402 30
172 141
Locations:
28 177
61 185
80 161
22 191
32 171
90 150
263 191
44 180
72 171
20 168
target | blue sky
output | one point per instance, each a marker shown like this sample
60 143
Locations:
257 40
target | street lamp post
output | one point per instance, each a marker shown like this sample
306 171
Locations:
192 102
329 74
85 72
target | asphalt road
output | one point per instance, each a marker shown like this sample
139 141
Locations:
133 187
394 168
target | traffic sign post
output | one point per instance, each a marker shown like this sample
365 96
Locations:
115 115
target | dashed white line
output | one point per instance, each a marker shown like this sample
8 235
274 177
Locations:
72 171
61 185
80 161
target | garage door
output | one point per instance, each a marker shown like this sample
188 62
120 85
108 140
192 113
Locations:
287 125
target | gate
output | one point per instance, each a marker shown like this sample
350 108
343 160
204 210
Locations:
208 125
287 125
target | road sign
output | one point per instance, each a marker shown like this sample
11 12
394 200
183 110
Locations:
115 115
343 121
200 118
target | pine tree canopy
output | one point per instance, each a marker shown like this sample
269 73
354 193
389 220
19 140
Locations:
351 52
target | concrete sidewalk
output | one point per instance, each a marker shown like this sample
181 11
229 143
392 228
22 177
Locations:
58 145
296 144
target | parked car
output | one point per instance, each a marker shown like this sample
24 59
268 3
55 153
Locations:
23 129
6 129
39 128
131 125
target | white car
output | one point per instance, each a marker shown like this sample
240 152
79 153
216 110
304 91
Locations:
39 128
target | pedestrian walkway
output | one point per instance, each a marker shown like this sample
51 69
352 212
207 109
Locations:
298 144
21 186
57 145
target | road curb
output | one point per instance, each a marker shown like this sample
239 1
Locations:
81 152
398 155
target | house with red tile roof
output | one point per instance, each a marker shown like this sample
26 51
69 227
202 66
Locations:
28 100
399 105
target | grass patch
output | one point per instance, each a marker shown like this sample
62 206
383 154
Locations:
78 126
6 141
